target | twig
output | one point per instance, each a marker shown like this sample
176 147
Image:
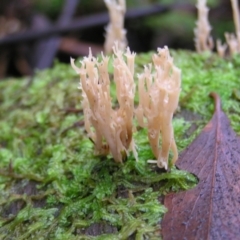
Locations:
79 24
76 124
72 110
47 48
29 176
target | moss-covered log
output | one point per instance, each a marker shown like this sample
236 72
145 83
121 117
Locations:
52 186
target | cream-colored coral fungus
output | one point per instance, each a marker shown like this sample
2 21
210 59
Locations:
110 129
159 90
203 39
115 31
233 40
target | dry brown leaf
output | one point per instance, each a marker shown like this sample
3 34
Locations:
211 210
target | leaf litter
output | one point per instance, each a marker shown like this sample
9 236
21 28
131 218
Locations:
211 210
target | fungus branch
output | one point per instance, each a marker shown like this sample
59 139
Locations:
203 40
158 99
232 40
115 31
109 129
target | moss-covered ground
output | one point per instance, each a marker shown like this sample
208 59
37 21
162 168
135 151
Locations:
52 186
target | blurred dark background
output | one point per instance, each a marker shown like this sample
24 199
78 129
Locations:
35 32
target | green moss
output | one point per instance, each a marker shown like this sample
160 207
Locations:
54 187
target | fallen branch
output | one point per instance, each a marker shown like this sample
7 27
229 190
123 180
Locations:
78 24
